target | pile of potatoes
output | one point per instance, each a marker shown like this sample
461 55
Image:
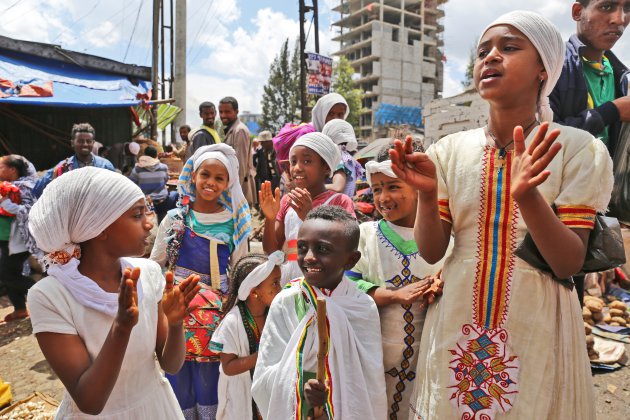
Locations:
596 311
30 411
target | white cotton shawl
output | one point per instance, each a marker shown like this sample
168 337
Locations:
259 274
323 146
384 167
323 106
547 41
355 359
340 132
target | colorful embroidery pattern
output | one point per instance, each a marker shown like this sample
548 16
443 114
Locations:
497 232
484 372
484 369
577 216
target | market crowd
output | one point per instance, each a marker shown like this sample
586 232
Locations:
153 306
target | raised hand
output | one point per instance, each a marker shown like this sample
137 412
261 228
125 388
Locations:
301 201
175 299
529 165
415 168
127 316
269 201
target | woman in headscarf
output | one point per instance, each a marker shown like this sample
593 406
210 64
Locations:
506 340
207 232
17 180
100 317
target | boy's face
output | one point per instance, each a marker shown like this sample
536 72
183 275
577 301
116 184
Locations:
396 201
82 143
208 115
602 22
324 253
308 169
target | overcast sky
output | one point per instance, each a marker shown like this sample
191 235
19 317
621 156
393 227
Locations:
232 42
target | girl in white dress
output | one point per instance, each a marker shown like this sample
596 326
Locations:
100 318
505 340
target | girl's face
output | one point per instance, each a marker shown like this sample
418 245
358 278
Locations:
211 179
508 68
308 169
269 288
129 234
337 112
396 201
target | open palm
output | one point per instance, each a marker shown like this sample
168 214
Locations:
415 168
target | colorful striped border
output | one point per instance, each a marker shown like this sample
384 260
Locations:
577 216
445 211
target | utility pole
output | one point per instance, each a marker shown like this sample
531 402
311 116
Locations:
304 9
179 85
155 61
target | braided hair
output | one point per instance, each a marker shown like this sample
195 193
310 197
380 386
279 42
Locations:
242 268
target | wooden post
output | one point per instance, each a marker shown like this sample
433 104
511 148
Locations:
322 350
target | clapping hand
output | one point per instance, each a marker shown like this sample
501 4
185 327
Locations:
301 201
529 164
127 316
415 168
175 299
413 292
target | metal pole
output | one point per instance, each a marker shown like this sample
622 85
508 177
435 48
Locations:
162 62
171 70
179 84
154 64
316 24
303 62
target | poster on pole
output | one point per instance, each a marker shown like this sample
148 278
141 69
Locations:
319 69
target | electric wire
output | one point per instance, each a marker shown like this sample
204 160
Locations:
133 31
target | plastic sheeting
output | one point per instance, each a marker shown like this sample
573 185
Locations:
73 86
388 114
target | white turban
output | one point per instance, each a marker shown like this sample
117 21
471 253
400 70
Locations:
323 106
259 274
547 41
373 167
340 131
78 206
323 146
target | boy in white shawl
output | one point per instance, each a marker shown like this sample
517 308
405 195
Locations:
284 386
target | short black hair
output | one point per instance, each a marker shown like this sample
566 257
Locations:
186 126
17 162
151 152
241 269
338 215
230 100
82 128
206 104
383 154
584 3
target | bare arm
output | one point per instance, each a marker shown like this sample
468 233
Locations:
233 365
405 295
338 184
273 232
90 383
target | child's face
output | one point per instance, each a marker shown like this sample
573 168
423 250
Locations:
308 169
128 235
324 253
337 112
396 201
508 68
269 288
211 179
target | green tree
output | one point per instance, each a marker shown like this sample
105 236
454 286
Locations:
470 68
344 85
279 96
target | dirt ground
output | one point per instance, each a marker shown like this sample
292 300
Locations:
24 367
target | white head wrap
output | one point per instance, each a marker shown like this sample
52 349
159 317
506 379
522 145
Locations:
323 106
259 274
323 146
77 207
547 41
373 167
340 131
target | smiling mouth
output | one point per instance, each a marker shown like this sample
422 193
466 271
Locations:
312 269
385 209
490 74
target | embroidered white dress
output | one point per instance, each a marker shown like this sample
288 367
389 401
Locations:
505 341
389 258
141 391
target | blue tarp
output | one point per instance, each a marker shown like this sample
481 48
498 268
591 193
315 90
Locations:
73 86
253 127
388 114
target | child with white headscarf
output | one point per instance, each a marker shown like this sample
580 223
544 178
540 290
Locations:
255 281
506 340
100 317
349 170
208 230
313 158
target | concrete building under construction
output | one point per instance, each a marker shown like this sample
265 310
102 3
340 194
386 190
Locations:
396 48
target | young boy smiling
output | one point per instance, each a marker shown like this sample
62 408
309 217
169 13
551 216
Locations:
354 385
391 271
